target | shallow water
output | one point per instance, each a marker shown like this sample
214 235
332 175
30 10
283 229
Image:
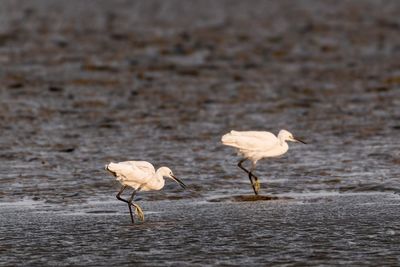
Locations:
84 85
352 229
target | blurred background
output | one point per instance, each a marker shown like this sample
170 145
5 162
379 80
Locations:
87 82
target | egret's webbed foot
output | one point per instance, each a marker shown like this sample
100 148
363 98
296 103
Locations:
255 184
138 212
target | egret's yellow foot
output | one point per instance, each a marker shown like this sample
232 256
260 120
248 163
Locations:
257 185
139 212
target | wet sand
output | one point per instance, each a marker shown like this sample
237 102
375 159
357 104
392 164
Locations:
85 83
356 230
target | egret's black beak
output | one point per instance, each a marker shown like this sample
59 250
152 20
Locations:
178 181
299 140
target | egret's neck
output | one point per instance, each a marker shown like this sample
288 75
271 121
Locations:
283 143
159 174
158 182
282 140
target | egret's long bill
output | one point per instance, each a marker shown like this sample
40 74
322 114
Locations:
299 140
178 181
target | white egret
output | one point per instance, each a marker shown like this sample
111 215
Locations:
141 176
255 145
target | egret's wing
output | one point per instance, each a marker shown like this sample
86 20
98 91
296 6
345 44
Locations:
128 172
259 134
252 143
143 166
250 140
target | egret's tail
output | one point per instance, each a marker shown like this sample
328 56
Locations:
111 167
229 139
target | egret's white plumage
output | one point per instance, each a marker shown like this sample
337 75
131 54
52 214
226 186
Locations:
255 145
141 176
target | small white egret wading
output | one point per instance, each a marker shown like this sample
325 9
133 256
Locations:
141 176
255 145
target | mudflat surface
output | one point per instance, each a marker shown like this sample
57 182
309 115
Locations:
83 83
336 230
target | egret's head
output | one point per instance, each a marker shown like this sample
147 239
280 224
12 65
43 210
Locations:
288 136
166 172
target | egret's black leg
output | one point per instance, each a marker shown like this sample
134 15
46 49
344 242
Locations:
138 211
120 192
250 175
126 201
132 196
134 193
